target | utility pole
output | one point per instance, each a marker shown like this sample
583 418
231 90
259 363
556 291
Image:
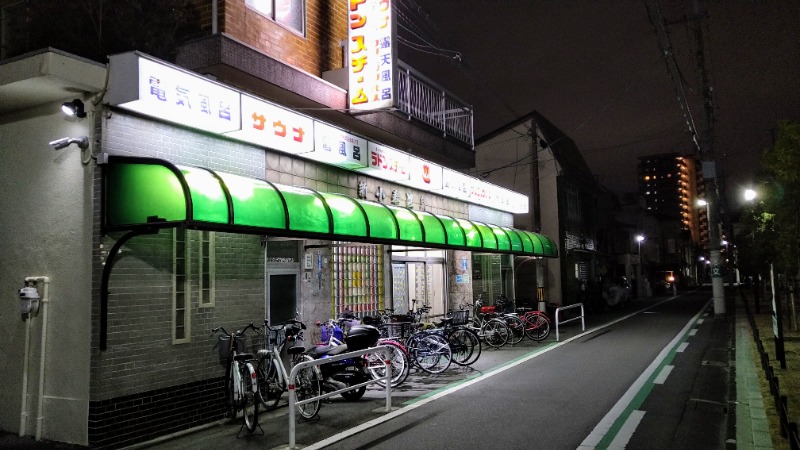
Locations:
704 144
710 178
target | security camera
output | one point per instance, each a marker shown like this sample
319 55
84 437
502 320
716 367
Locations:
82 142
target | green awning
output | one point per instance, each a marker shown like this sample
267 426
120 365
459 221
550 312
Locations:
146 192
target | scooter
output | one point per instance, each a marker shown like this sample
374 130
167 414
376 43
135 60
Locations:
346 372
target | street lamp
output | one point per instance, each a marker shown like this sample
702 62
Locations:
750 195
639 240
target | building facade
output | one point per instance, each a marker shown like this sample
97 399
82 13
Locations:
231 186
671 185
533 156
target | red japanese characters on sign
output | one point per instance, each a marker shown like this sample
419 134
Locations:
371 54
272 126
387 163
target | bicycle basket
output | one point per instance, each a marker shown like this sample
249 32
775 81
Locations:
223 343
459 316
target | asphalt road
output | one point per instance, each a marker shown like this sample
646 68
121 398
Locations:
652 375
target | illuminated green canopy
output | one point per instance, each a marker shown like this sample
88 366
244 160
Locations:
145 192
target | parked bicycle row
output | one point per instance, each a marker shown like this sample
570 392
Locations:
256 380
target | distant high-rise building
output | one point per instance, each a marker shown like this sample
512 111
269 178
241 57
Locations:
671 184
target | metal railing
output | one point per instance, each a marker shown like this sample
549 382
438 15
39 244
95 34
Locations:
562 308
318 362
425 101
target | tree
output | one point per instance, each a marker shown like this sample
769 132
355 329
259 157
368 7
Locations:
95 29
778 211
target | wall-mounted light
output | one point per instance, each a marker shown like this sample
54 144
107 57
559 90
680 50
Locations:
74 109
82 142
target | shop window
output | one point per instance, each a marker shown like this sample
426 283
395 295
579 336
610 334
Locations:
289 13
193 277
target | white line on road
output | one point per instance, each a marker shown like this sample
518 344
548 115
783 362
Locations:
693 332
662 377
682 347
605 424
627 430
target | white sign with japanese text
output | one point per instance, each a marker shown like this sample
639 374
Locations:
338 147
272 126
387 163
157 90
424 174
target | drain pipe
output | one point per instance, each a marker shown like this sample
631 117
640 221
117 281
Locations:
23 420
42 358
45 300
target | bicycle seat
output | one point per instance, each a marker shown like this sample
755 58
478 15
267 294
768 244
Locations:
296 350
242 357
326 350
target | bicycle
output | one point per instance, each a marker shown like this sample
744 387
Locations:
493 331
273 378
465 344
429 351
376 366
241 380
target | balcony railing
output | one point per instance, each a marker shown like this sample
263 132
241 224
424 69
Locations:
425 101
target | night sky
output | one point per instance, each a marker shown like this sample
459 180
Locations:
594 69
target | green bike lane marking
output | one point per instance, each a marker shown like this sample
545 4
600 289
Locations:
613 426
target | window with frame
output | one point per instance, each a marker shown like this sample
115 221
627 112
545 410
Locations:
289 13
194 274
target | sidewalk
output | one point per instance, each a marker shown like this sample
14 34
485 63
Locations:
752 428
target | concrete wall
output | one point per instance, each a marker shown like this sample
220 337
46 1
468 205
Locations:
46 231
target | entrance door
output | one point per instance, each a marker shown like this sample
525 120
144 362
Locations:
282 298
420 281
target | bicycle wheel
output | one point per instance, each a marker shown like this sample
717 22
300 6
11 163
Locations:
495 333
231 385
517 328
433 354
476 350
270 387
249 391
463 345
399 363
537 327
307 385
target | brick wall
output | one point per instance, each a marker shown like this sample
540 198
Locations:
318 51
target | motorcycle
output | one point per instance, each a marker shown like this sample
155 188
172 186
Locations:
346 372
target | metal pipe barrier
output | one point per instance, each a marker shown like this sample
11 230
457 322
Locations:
559 309
318 362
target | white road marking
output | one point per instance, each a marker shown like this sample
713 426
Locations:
619 408
627 430
662 377
682 347
693 332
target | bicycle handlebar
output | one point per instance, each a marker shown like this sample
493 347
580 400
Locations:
237 332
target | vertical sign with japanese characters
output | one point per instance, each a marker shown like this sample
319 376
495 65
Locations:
272 126
370 54
338 147
387 163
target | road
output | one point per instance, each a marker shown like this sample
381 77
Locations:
652 376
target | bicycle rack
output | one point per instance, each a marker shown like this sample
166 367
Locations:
318 362
559 309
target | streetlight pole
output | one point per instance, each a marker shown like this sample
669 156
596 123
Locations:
639 239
